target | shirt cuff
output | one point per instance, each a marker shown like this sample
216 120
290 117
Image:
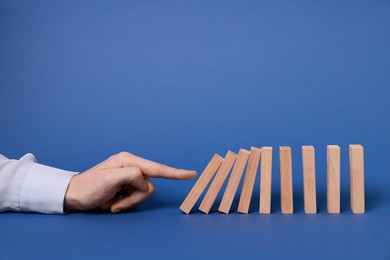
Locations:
43 189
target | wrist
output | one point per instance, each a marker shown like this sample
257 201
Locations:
71 202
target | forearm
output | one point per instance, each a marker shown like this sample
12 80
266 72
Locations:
28 186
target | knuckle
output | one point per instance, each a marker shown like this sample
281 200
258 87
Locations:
164 169
106 178
160 167
136 172
151 190
122 155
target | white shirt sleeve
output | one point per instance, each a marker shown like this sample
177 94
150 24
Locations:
27 186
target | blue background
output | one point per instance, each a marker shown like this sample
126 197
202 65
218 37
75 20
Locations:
177 81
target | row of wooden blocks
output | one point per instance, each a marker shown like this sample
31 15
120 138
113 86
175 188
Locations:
221 167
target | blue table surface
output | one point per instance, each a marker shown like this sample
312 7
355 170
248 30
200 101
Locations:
176 82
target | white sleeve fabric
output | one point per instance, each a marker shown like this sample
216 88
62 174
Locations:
27 186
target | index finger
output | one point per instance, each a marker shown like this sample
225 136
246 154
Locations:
153 169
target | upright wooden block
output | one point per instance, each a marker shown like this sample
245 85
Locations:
234 181
356 174
265 180
309 179
333 179
217 183
286 187
249 180
201 184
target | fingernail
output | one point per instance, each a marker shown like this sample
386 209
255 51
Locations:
194 173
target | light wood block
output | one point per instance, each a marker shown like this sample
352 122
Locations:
309 179
286 187
249 180
333 179
265 180
356 175
201 183
217 183
234 181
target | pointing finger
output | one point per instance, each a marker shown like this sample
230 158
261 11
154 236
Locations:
150 168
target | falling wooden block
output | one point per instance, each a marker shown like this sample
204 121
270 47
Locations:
333 179
356 174
249 180
201 184
286 188
265 180
309 179
217 183
234 181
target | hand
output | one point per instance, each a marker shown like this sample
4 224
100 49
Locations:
121 182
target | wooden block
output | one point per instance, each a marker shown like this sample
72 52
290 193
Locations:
234 181
286 186
309 179
249 180
333 179
201 183
265 180
217 183
356 174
